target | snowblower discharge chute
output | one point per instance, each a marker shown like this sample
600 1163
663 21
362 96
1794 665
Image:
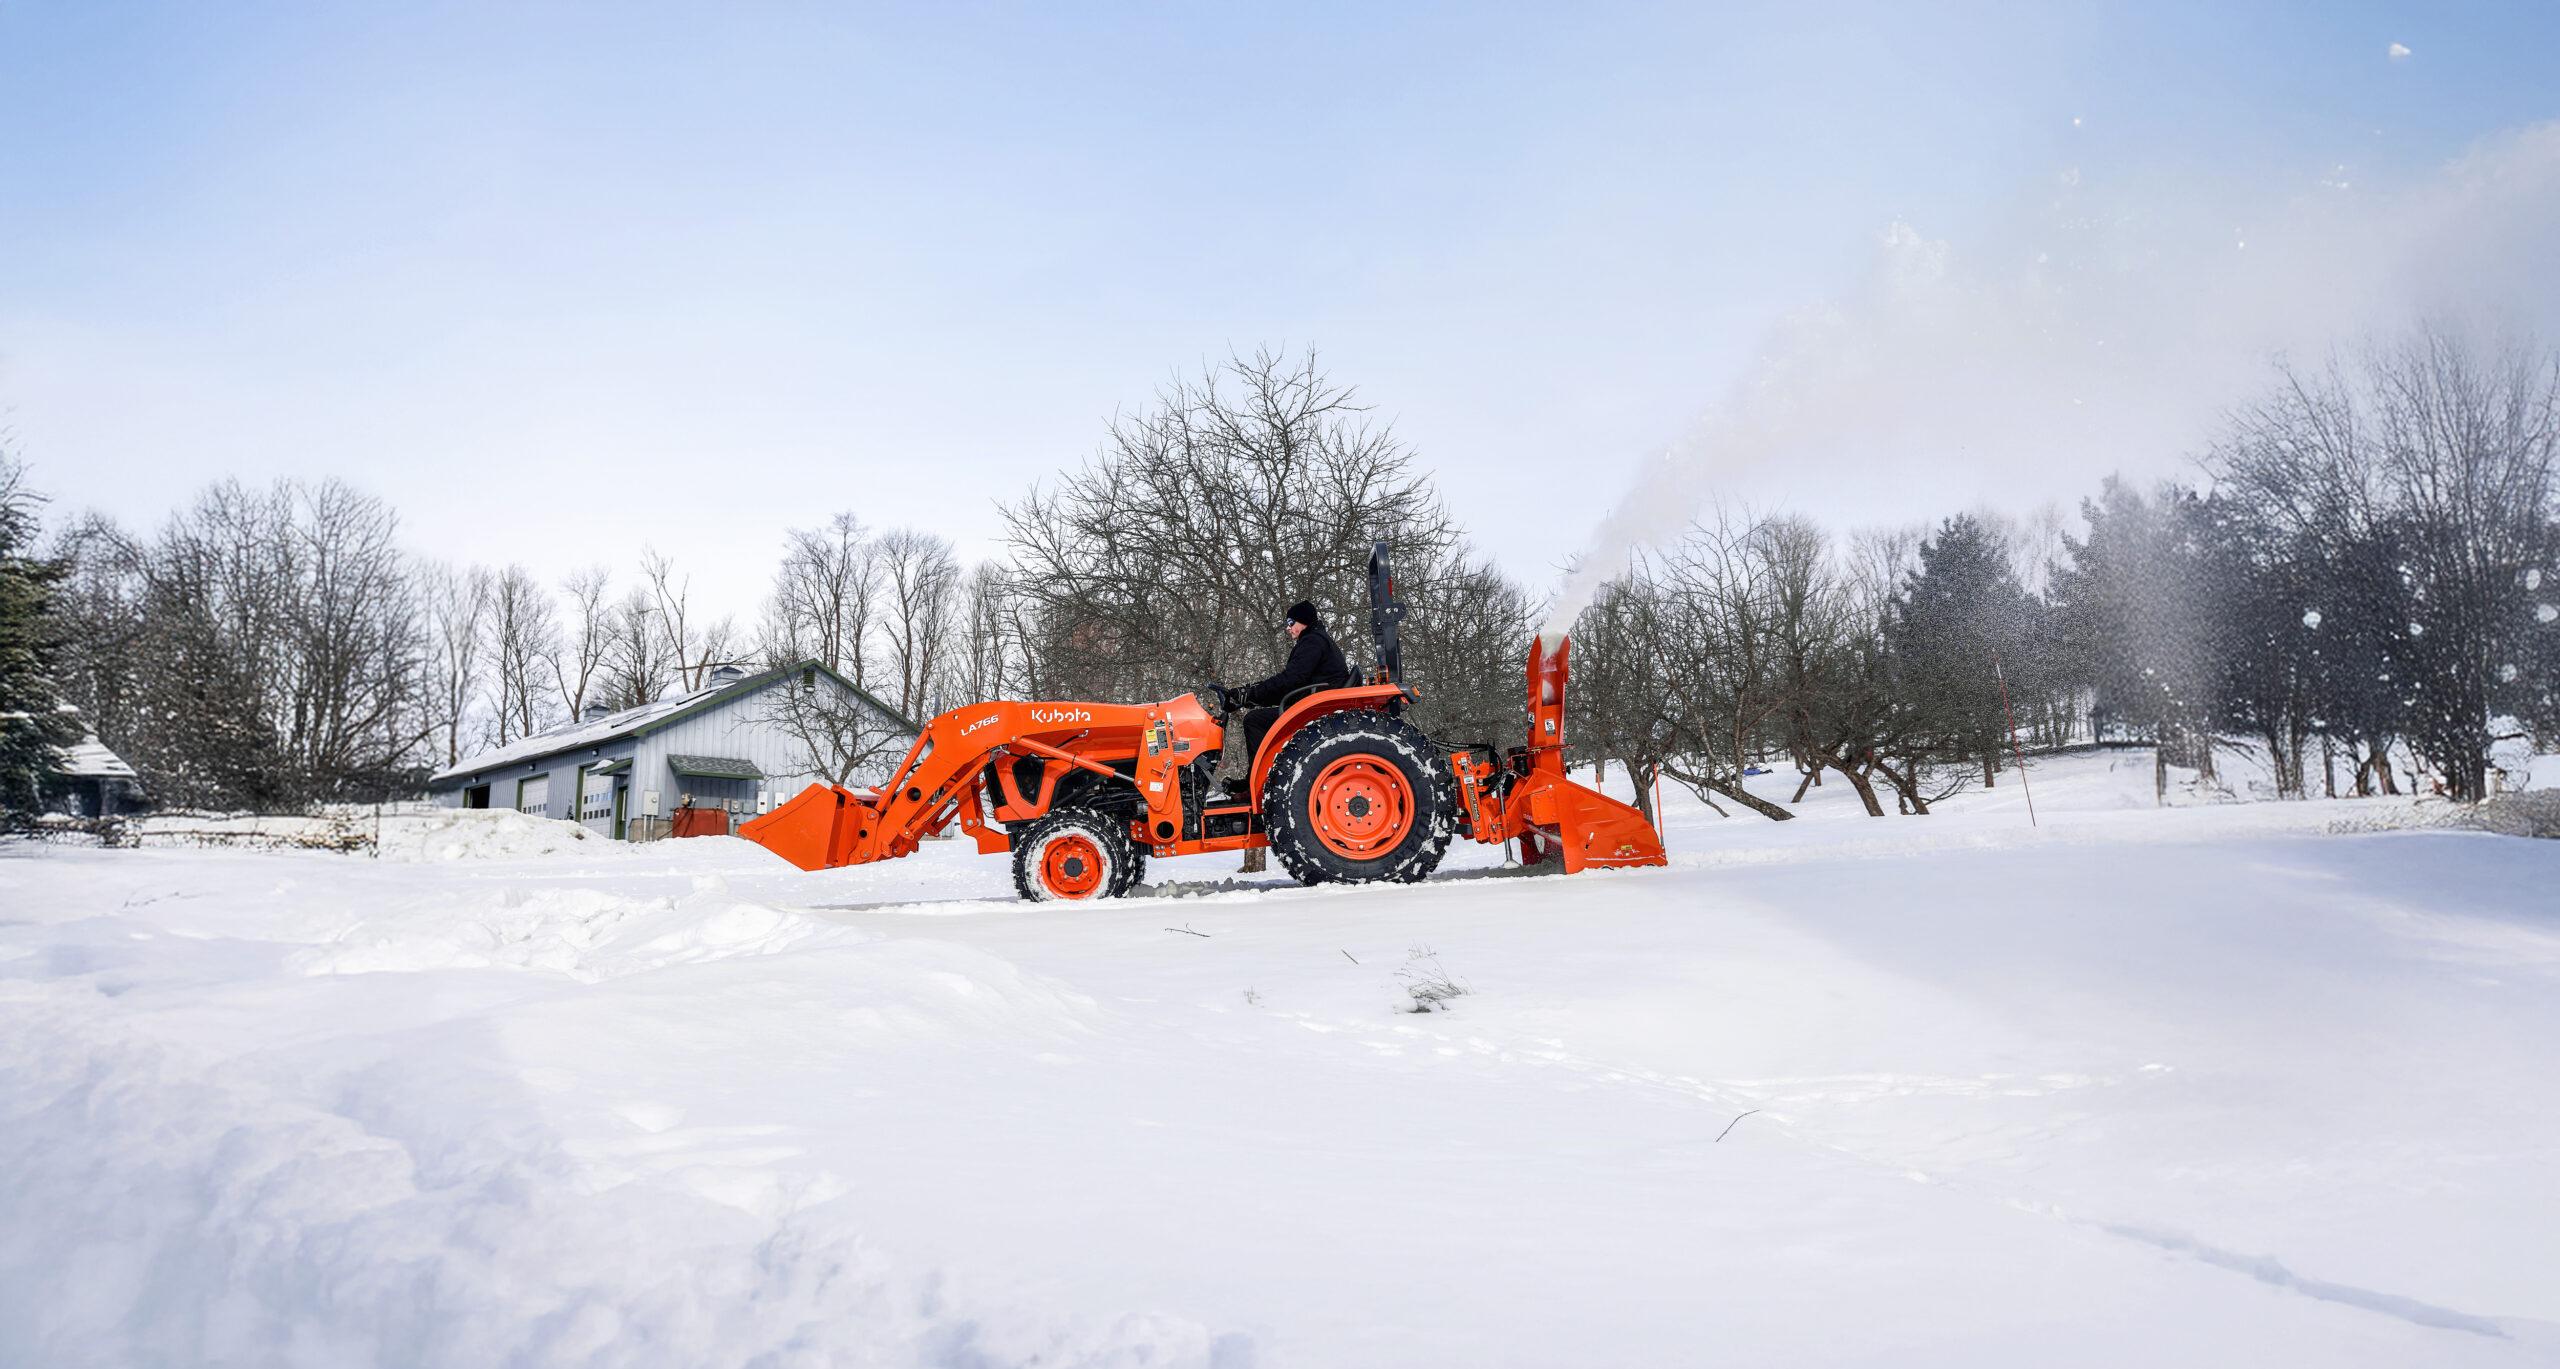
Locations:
1344 789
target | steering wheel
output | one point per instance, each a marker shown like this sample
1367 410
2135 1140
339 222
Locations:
1216 696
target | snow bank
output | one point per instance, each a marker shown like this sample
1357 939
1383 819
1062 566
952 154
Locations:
334 831
299 1113
437 834
584 933
2524 813
166 1207
407 832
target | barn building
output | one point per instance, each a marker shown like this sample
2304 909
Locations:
697 762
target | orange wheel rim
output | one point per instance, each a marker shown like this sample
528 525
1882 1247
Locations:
1362 807
1071 866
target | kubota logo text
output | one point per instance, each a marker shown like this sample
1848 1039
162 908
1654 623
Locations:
1060 715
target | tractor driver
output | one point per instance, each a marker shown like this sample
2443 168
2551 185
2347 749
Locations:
1314 661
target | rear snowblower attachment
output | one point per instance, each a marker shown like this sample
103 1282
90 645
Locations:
1532 801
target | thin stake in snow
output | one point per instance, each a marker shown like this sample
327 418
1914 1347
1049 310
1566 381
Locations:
1186 930
1729 1126
1659 824
2014 753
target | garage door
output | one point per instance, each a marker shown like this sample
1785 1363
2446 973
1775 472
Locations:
595 802
534 796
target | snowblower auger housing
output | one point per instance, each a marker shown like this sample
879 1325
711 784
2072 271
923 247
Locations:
1345 789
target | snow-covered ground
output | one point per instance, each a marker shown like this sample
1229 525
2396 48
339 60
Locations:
2218 1084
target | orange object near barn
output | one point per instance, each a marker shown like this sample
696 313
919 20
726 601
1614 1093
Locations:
700 822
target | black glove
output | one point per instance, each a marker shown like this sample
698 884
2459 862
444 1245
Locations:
1229 699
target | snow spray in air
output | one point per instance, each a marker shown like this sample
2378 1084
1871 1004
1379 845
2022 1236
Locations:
2100 329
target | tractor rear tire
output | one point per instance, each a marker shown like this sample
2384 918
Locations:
1072 855
1359 797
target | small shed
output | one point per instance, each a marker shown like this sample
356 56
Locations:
740 745
93 782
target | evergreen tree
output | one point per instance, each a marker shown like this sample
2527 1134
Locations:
2137 607
33 724
1962 609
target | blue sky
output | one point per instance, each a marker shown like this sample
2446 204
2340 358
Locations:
562 280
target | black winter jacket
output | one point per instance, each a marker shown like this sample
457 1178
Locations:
1313 660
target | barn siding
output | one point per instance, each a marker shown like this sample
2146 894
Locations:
731 726
562 767
734 728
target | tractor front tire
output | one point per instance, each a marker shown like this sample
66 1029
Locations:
1358 797
1073 855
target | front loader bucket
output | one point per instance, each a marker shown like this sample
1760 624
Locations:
816 829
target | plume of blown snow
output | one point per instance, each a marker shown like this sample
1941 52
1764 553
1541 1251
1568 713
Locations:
2104 327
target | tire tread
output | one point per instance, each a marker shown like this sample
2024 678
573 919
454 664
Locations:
1302 854
1111 835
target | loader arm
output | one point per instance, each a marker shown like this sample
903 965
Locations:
942 778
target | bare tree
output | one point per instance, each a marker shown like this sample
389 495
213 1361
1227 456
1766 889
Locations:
1466 637
456 604
271 644
1165 562
1715 619
717 645
981 662
1845 709
2375 535
840 735
1167 559
164 665
1023 622
823 600
103 608
689 646
1815 634
356 706
586 639
2300 487
919 589
1840 703
637 666
1619 694
2469 431
523 636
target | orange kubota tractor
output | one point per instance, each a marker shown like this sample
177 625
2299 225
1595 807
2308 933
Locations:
1345 789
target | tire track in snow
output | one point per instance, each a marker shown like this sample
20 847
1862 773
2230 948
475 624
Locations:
2272 1272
